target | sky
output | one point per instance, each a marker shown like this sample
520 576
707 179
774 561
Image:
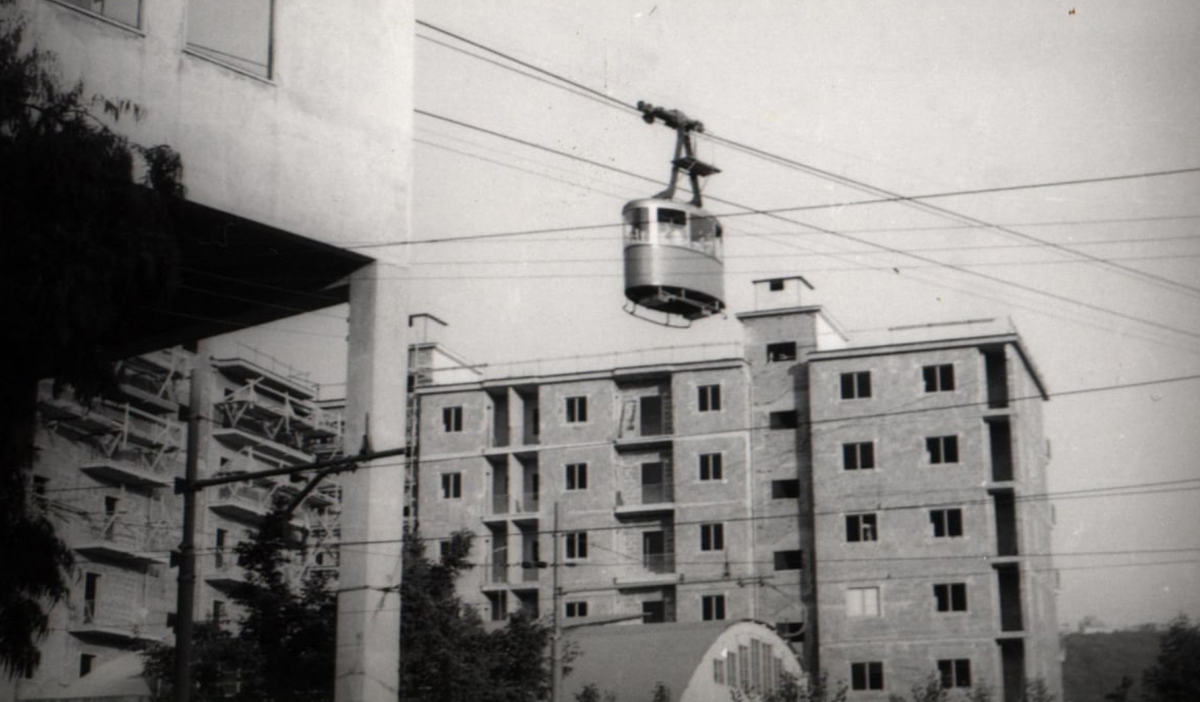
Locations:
1102 279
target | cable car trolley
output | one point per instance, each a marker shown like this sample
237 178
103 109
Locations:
673 258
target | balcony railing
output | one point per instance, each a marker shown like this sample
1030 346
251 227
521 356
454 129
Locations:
657 493
659 562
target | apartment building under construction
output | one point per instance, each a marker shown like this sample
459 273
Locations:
876 502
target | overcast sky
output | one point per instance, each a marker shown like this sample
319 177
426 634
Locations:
914 98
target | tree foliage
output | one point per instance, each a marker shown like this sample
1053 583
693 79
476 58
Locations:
816 688
84 244
284 649
1175 677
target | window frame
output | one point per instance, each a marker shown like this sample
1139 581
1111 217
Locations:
711 467
575 545
109 19
949 598
712 608
855 601
855 385
451 487
946 520
867 675
712 537
575 477
942 450
856 455
862 527
938 377
234 61
575 609
452 419
708 397
575 408
954 672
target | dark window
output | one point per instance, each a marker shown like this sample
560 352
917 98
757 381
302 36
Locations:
451 486
787 419
776 284
861 527
577 609
654 612
942 449
576 544
218 611
866 676
576 476
86 661
452 419
939 378
709 398
91 592
712 537
222 536
710 466
955 672
785 489
950 597
783 351
856 385
712 607
946 522
858 456
576 410
789 560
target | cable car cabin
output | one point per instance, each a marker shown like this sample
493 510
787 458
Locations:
673 258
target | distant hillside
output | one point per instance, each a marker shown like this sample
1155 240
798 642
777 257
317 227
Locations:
1095 663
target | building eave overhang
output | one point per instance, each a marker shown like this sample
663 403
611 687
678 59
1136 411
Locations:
623 373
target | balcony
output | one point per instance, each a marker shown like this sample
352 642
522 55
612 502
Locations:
123 542
225 574
131 471
242 439
94 626
654 498
244 503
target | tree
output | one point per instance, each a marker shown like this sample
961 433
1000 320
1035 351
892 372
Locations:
84 245
1176 675
284 648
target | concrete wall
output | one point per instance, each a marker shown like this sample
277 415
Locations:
321 148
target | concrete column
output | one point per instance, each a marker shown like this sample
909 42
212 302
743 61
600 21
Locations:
368 623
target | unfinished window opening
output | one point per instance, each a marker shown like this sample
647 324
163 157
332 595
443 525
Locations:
858 456
235 33
789 560
950 597
861 527
785 489
1000 443
787 419
939 378
996 369
780 352
1010 597
856 386
1004 502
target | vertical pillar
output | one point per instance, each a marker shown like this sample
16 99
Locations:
368 622
199 410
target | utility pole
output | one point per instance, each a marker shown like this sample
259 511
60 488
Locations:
185 607
556 635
